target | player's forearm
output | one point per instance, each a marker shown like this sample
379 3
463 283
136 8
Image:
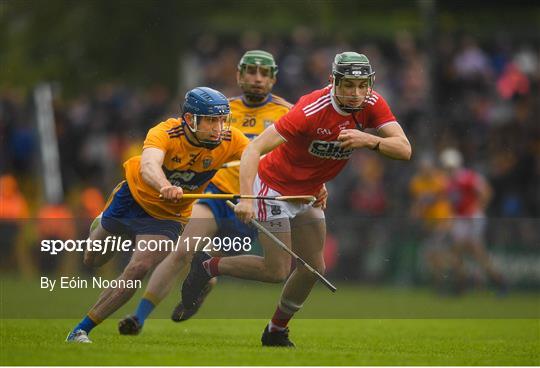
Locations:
485 194
248 169
153 175
397 148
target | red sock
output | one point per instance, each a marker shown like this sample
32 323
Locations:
280 320
211 266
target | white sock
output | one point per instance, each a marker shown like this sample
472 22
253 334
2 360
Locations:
272 327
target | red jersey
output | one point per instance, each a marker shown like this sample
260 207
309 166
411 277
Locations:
312 155
463 192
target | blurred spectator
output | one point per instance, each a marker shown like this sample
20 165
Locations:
430 205
92 202
471 63
428 190
13 205
366 195
55 221
469 194
512 82
13 213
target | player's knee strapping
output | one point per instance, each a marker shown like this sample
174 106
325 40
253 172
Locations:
95 223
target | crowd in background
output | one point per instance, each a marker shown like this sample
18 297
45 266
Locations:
480 97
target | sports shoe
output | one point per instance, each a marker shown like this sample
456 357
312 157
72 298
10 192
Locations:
79 336
181 313
129 325
276 338
195 281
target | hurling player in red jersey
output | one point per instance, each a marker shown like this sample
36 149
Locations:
307 147
469 193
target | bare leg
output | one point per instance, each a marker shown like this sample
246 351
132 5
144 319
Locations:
201 224
435 259
202 221
164 276
273 267
458 266
479 253
97 259
308 243
140 264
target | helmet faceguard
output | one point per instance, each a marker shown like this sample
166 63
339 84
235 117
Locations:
257 61
351 65
206 102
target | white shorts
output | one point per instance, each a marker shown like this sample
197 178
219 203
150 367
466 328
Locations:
469 229
273 213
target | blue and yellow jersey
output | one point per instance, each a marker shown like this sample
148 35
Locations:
251 120
185 165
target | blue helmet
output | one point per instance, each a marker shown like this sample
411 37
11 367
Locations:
205 101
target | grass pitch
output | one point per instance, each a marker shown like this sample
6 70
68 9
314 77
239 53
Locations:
355 326
319 342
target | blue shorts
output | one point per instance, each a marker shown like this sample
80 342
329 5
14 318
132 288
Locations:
227 222
124 215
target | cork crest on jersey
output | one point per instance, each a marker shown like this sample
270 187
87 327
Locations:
329 150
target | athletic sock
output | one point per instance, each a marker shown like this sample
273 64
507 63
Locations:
211 266
144 309
86 324
279 320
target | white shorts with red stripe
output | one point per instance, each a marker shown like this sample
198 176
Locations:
269 210
469 229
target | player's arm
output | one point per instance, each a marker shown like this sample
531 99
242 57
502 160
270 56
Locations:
264 143
153 175
485 192
322 198
390 142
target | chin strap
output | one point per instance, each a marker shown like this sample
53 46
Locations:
198 142
358 126
346 109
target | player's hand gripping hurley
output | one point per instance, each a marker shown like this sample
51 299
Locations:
326 283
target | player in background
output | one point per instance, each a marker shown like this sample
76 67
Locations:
256 109
469 194
306 148
431 206
179 156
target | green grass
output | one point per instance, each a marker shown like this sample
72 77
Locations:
319 342
355 326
